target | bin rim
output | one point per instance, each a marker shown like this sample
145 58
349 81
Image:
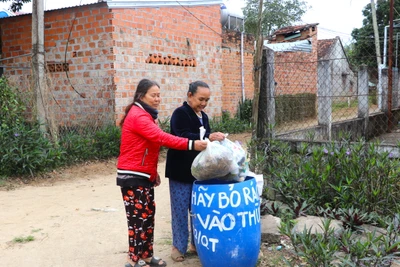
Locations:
217 181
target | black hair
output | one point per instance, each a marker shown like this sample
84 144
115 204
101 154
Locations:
194 85
141 90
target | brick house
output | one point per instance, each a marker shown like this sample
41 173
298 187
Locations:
295 69
97 53
297 53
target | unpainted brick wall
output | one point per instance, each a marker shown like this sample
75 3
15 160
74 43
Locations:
106 52
233 90
80 37
296 72
168 31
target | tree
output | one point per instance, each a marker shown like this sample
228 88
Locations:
276 14
363 50
16 5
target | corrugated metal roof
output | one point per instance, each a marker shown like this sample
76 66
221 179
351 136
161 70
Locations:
297 46
156 3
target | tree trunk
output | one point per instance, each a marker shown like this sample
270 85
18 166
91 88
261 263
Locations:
257 72
38 75
376 34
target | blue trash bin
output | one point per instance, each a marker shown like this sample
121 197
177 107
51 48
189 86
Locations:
226 222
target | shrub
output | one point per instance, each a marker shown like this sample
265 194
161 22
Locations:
245 110
291 107
335 175
11 105
25 150
226 124
82 144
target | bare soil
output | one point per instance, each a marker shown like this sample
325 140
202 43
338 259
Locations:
75 217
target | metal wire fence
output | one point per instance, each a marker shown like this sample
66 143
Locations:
319 95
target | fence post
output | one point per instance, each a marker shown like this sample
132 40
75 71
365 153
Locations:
266 115
363 93
324 98
395 88
384 90
271 93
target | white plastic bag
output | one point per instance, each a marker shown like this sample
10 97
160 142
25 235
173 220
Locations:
240 166
259 180
213 162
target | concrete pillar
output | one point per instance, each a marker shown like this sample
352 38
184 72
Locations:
395 88
324 98
383 103
271 93
363 92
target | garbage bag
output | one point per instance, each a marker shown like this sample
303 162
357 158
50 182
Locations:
240 168
213 162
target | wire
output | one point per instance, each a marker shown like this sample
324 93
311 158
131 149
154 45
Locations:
7 58
198 19
65 57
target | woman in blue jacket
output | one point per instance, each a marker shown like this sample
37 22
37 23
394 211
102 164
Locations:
185 122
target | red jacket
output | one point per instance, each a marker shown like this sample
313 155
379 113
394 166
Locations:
141 139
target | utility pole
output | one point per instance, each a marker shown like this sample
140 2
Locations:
257 71
376 34
390 67
38 70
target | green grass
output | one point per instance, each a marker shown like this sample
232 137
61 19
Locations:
165 241
22 239
339 105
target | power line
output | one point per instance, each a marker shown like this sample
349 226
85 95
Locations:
198 18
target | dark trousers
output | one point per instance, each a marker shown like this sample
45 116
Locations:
140 211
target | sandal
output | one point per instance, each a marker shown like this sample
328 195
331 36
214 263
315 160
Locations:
140 263
192 250
156 262
177 256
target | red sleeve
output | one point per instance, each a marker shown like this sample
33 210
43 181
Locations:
149 130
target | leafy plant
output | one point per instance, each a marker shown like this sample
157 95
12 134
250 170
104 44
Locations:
226 124
289 11
353 218
25 150
165 124
337 175
11 105
347 249
245 110
351 182
83 144
107 141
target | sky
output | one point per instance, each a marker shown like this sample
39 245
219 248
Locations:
335 17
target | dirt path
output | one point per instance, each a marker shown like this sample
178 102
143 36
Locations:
77 219
77 222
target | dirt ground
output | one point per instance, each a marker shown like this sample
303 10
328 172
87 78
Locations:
75 217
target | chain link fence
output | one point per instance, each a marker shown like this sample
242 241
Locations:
315 93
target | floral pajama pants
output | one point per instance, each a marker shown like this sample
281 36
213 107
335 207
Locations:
180 197
140 210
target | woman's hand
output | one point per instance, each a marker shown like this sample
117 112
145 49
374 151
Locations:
217 136
158 180
200 145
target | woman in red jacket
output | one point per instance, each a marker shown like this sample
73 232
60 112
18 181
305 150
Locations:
141 139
